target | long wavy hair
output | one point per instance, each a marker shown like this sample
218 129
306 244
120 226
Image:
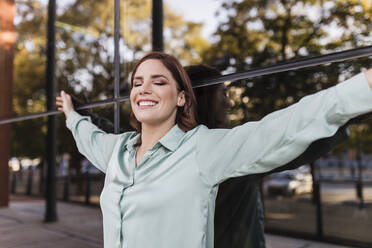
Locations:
186 115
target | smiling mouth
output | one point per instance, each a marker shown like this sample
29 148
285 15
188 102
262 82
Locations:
146 103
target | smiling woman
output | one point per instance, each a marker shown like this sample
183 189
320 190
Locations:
161 96
162 180
161 79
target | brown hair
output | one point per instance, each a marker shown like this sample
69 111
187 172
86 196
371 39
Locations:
212 111
186 117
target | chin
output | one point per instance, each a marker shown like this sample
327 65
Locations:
148 121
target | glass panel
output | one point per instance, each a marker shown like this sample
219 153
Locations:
251 34
125 117
288 201
188 28
85 48
29 58
26 164
288 196
77 179
346 187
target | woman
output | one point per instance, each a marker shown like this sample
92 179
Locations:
161 181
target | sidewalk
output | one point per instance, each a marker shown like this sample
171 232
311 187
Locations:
21 226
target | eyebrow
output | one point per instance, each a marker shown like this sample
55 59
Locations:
152 76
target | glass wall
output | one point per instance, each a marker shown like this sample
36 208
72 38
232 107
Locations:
29 58
246 37
342 209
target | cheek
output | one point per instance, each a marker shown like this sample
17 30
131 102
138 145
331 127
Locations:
170 96
131 96
132 99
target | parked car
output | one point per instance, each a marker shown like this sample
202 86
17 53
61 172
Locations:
290 182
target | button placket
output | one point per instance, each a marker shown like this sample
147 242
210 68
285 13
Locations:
131 169
132 164
147 156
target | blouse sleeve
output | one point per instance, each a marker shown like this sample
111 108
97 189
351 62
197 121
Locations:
96 145
280 137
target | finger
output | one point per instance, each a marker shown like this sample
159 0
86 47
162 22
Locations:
66 96
63 94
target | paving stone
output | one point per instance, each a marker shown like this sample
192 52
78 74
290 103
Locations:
22 226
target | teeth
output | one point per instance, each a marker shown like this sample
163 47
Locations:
147 103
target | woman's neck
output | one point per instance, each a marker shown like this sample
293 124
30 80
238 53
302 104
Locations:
150 134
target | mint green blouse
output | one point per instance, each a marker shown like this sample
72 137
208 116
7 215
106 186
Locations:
167 201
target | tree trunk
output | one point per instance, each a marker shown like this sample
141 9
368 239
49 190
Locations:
7 41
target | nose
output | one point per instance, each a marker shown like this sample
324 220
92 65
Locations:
145 88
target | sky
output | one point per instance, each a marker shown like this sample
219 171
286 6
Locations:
204 11
191 10
197 11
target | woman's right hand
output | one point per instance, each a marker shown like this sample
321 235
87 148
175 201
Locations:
368 74
64 103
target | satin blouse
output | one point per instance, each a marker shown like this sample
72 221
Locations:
168 199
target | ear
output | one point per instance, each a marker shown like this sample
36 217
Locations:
181 100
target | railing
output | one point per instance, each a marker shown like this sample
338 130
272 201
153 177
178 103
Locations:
289 66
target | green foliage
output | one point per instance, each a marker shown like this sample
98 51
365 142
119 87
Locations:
28 137
85 45
257 33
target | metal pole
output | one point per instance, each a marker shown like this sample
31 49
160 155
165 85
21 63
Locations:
51 213
117 67
14 182
157 25
359 184
66 187
87 186
317 201
30 177
288 66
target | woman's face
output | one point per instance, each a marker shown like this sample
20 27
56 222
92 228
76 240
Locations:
154 96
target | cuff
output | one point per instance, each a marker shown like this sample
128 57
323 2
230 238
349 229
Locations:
73 118
356 95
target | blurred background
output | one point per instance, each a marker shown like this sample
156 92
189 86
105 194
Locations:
331 198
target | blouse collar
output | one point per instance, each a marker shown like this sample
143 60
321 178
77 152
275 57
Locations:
170 140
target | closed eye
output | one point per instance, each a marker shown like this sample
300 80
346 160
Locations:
137 83
159 83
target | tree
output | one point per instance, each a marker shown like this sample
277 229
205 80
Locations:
85 59
260 33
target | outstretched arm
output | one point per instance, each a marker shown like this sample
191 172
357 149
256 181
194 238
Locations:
96 145
258 147
321 147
